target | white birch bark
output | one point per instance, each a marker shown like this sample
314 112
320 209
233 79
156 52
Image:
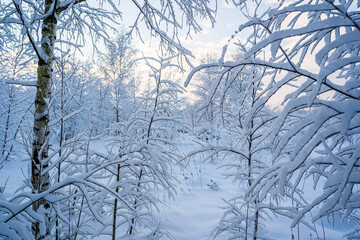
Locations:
40 180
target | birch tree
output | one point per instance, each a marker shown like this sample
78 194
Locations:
118 65
39 22
43 23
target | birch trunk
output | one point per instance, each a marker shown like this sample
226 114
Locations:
39 180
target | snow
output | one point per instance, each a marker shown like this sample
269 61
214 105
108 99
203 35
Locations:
196 210
30 83
197 207
313 174
12 175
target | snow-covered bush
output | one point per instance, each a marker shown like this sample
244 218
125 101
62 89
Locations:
143 153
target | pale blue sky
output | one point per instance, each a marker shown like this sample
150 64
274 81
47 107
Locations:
209 40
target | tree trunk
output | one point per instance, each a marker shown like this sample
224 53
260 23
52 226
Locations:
61 138
7 125
256 220
40 181
115 203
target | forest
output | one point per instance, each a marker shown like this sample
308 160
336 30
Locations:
256 139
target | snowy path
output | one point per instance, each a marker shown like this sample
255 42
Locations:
196 210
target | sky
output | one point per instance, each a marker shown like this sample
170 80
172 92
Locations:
209 40
212 38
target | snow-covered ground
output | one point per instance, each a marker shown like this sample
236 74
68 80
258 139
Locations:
196 210
12 175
